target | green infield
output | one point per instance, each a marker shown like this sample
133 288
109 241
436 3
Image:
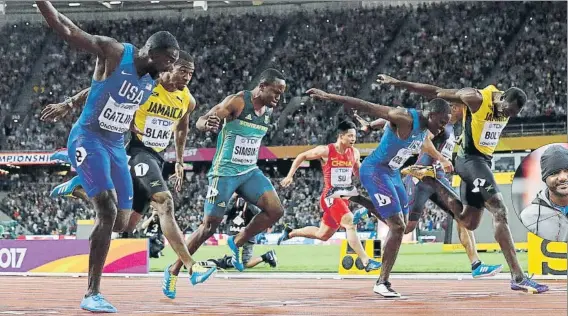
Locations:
423 258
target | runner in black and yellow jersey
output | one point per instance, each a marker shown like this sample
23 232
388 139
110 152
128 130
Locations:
166 112
486 114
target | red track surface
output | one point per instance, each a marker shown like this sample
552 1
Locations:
61 296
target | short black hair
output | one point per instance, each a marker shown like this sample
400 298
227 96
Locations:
270 76
344 126
438 105
185 57
162 40
516 95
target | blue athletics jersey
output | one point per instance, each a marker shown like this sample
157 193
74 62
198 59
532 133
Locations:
393 151
96 141
111 103
445 143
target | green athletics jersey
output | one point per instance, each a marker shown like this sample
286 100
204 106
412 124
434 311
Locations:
238 143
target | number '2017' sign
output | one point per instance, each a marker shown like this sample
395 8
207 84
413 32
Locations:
12 257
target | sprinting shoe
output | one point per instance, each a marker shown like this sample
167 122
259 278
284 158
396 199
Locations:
419 172
270 258
200 274
60 155
285 234
169 283
385 289
484 270
66 188
97 304
373 265
528 285
236 260
359 214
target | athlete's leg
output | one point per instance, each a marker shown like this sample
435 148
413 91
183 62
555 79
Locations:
328 225
219 193
481 190
92 162
323 232
379 183
469 216
368 204
353 238
258 190
165 207
120 174
418 195
503 235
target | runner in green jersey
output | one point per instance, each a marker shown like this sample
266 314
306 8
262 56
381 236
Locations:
246 117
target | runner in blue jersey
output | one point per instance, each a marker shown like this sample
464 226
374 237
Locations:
123 79
420 192
380 175
485 114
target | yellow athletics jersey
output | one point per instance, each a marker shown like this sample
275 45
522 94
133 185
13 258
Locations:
483 128
158 116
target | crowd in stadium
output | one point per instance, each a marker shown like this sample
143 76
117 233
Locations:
431 43
448 44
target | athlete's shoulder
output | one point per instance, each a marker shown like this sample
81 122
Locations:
490 88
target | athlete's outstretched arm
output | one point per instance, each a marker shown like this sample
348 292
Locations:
99 45
428 91
180 137
367 126
429 148
471 97
394 115
55 112
226 109
312 154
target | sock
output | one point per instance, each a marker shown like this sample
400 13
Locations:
475 265
263 257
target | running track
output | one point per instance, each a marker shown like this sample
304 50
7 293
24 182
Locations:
268 296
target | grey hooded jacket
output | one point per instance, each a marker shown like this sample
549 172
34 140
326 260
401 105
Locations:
542 219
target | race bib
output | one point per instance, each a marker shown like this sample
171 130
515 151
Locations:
157 132
404 153
400 158
116 117
245 150
491 133
341 177
448 148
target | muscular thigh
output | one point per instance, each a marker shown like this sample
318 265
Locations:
92 161
146 174
478 183
381 185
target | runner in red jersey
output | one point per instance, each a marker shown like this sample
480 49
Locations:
340 161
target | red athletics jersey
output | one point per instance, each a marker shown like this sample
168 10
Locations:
338 169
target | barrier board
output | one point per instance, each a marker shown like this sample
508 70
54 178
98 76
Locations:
72 256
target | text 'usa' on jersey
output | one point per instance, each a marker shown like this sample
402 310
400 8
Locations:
110 106
393 151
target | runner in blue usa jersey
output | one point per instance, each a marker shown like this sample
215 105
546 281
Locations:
380 175
420 192
123 80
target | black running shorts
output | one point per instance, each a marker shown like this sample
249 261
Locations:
478 183
146 171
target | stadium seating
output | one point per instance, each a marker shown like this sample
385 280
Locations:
449 44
